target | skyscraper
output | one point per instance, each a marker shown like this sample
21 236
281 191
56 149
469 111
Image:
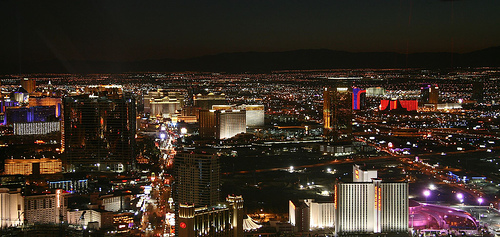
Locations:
163 102
99 131
429 94
337 112
207 122
478 91
309 214
196 193
28 84
197 176
30 114
358 99
255 115
230 123
222 124
369 205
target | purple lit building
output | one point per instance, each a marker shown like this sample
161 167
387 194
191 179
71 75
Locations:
358 98
30 114
428 216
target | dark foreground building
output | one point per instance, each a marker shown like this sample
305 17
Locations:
99 132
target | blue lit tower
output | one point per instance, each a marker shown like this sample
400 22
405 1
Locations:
358 98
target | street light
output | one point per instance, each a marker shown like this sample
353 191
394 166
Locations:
432 187
460 197
480 201
427 193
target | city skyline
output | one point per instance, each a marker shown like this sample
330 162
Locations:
250 118
293 152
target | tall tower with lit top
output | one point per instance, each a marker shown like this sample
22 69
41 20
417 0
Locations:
337 113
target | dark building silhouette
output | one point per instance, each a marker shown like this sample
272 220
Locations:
207 123
197 184
429 94
197 178
477 91
99 131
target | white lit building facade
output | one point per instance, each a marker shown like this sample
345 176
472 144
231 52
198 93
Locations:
321 214
230 123
165 107
116 203
254 115
70 185
36 128
375 91
360 175
47 208
226 121
369 205
308 214
11 208
83 217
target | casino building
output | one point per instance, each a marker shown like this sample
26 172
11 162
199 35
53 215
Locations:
224 220
369 205
99 130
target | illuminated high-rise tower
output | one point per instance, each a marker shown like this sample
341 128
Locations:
369 205
358 99
222 124
230 123
28 84
337 112
429 94
197 178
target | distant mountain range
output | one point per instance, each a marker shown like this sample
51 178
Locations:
267 61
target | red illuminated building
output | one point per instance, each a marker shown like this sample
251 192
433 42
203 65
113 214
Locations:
404 105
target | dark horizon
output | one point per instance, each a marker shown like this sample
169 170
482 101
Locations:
493 47
304 59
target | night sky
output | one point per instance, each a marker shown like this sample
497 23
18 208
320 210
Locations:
136 30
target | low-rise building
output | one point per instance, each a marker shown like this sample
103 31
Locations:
77 186
32 166
116 203
11 208
46 208
84 217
